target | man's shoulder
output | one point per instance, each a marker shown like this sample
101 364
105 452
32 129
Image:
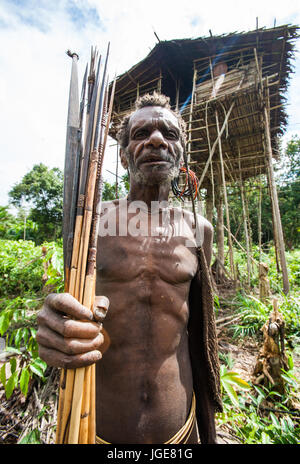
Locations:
111 204
190 218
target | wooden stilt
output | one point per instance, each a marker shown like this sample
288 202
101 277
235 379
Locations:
274 198
117 168
248 223
275 232
209 204
220 233
231 259
245 223
259 219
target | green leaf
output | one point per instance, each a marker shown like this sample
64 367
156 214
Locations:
274 420
36 370
42 411
24 380
13 364
18 337
290 362
40 363
25 335
10 349
5 317
233 378
3 375
33 438
11 384
231 393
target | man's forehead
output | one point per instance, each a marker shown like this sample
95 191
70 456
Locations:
148 113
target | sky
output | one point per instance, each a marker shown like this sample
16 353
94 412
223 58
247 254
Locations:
35 70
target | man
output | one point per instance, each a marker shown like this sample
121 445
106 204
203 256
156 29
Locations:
158 375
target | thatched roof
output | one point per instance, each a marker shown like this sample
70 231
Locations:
171 65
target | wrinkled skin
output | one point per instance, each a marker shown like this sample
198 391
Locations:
144 379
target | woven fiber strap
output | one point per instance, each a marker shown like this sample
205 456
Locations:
181 436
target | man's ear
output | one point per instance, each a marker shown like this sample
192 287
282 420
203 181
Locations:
123 158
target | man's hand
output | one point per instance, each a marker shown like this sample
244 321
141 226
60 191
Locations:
68 342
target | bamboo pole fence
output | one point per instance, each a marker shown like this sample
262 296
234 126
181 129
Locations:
76 418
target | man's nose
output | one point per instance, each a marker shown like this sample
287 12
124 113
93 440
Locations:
156 139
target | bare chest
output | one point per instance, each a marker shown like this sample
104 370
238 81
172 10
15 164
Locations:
148 257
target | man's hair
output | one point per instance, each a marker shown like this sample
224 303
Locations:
155 99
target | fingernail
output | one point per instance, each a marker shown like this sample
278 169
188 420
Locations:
99 313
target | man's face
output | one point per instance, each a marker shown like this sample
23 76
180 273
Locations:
154 151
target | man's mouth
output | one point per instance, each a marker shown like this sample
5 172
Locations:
154 159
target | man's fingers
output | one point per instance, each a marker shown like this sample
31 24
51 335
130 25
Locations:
100 309
67 304
57 359
70 346
67 327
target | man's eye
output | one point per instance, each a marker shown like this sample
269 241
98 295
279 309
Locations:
140 134
172 135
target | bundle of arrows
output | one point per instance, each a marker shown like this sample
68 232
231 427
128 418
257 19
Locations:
87 132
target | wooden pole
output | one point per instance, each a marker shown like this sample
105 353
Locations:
245 222
259 218
225 199
117 168
71 151
191 116
209 203
275 231
248 222
274 198
220 232
177 94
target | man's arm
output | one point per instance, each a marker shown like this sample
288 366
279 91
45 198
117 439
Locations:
205 408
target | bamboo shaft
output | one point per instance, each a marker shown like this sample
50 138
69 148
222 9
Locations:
86 226
65 405
85 409
76 411
92 423
225 199
76 406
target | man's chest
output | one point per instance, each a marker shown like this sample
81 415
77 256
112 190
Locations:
146 258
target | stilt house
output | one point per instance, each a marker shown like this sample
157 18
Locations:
230 90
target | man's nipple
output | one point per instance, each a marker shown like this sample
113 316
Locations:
145 397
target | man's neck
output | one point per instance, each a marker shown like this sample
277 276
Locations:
148 193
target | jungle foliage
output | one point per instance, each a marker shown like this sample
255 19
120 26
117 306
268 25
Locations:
41 190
